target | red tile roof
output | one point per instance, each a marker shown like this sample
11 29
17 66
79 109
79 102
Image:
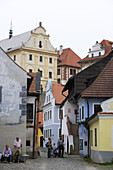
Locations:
106 113
103 85
108 48
57 93
68 57
32 88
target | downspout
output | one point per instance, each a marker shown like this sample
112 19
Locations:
34 130
88 128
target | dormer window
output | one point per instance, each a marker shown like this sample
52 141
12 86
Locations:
40 44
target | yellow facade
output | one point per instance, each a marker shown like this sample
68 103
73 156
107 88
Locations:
104 133
39 135
47 51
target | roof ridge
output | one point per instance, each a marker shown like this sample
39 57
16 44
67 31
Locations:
97 77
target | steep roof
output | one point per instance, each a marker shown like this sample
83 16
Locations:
108 48
15 42
78 83
103 85
35 85
57 93
69 58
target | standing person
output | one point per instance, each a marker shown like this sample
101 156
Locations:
7 154
60 143
49 146
17 148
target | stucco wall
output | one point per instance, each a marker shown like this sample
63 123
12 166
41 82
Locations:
13 81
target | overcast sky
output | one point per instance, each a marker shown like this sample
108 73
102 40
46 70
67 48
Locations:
76 24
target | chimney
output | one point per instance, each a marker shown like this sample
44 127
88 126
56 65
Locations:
10 31
61 50
40 24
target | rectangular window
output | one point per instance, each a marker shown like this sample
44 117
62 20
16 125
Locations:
41 73
50 75
58 71
46 116
49 97
74 72
91 137
50 132
30 113
0 94
82 112
97 108
30 70
30 56
41 59
71 73
27 142
50 114
14 57
58 81
95 136
50 60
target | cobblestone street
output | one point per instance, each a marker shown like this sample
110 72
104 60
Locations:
44 163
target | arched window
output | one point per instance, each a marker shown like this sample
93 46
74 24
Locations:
40 44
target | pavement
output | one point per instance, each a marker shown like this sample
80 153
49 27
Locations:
69 162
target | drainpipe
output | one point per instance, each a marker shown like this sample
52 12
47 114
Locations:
34 130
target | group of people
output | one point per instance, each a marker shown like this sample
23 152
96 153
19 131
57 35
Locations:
7 154
57 151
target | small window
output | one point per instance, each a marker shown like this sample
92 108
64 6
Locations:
30 113
50 132
50 114
97 108
40 44
46 133
41 73
58 71
91 137
0 94
58 80
99 53
74 72
30 70
95 136
30 56
82 112
27 142
39 123
14 57
71 72
41 59
92 55
50 75
50 60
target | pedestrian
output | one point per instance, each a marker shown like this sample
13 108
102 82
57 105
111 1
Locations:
17 148
60 147
49 146
7 154
54 150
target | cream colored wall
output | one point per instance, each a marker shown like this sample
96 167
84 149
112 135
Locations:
32 47
104 134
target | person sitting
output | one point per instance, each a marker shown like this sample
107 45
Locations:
6 154
17 148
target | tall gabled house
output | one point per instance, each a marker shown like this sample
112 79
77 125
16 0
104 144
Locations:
67 64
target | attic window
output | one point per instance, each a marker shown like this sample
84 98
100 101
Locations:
40 44
92 55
